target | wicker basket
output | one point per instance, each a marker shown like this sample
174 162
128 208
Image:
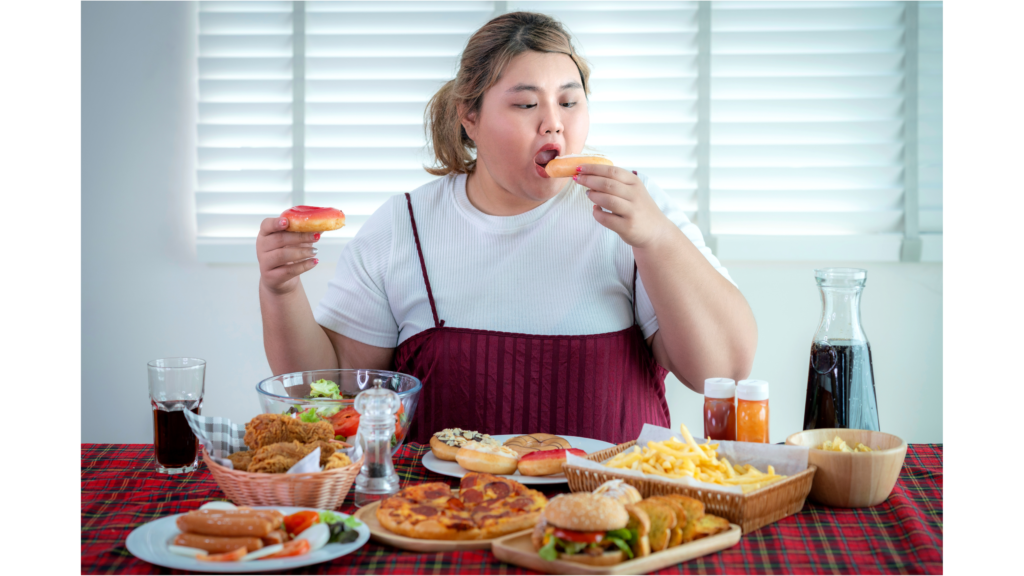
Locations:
750 511
325 490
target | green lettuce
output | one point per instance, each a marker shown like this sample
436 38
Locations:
309 416
548 551
324 389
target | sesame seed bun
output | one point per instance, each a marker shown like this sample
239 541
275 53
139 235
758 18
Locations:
585 512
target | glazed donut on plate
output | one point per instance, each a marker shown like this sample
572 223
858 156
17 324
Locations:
565 166
446 443
533 442
545 462
479 457
313 219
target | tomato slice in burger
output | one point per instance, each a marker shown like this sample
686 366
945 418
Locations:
574 536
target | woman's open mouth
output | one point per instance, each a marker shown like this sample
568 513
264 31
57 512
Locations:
547 153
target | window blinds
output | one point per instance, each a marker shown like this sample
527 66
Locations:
244 159
803 126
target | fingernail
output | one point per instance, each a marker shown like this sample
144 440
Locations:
317 235
579 168
634 173
284 222
315 251
316 261
575 176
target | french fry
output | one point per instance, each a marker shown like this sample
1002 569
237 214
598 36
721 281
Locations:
673 458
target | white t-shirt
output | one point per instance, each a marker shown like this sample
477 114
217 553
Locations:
550 271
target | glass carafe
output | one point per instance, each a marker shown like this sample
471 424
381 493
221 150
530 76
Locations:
840 378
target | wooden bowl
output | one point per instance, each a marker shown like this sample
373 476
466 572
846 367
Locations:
852 480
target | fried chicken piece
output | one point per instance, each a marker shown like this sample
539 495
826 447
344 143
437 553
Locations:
278 458
338 460
241 460
267 429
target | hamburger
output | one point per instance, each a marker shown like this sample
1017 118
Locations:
591 529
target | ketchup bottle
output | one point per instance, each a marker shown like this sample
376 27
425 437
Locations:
720 408
752 411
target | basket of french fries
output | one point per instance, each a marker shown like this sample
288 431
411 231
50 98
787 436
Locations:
751 485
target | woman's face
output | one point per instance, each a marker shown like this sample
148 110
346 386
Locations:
536 111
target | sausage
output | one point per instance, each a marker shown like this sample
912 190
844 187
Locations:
226 523
274 516
218 544
275 537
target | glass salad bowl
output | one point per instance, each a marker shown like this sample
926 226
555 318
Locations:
330 395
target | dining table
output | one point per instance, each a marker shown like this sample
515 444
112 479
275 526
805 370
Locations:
121 490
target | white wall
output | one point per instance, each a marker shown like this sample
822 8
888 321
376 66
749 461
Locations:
144 295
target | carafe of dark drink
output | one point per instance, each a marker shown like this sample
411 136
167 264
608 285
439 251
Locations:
840 379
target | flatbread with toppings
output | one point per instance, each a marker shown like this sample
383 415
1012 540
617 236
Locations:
486 507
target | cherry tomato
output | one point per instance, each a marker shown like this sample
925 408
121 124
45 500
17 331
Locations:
399 433
346 422
299 521
293 548
574 536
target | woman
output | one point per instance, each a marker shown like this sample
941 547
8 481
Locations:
524 303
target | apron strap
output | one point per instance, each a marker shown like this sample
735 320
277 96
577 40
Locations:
423 264
635 274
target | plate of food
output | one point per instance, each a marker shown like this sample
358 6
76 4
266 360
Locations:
614 530
526 458
431 517
220 537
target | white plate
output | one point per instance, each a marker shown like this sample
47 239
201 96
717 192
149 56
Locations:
588 445
149 542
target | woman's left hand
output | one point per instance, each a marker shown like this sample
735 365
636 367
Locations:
634 216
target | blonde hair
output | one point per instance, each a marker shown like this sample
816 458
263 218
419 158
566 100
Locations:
486 56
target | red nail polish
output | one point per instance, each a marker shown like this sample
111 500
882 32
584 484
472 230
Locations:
634 173
316 261
575 176
317 235
579 168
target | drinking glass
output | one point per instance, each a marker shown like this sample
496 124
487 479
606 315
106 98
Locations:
175 385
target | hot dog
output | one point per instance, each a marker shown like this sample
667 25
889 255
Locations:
239 522
218 544
273 515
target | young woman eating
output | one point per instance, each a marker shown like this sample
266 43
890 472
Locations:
524 303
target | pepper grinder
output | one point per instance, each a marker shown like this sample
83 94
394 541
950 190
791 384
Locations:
377 478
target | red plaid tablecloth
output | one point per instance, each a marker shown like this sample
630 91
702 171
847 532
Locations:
120 491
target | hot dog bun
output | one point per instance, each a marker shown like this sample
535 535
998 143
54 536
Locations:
313 219
545 462
490 459
565 166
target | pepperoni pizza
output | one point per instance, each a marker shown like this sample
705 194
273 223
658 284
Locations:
486 507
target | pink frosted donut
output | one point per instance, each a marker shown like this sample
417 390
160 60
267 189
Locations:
313 219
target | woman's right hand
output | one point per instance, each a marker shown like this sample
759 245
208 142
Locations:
284 255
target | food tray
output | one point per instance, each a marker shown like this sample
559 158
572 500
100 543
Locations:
368 516
750 511
518 549
325 490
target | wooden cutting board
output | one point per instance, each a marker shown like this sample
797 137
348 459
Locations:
518 549
368 516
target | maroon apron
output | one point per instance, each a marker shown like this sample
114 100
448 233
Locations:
603 386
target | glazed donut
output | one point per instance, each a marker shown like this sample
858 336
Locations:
533 442
479 457
446 443
565 166
545 462
313 219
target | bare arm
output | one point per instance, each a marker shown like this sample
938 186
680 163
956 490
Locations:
706 328
291 336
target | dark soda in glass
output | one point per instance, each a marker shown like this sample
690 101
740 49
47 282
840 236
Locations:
175 445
